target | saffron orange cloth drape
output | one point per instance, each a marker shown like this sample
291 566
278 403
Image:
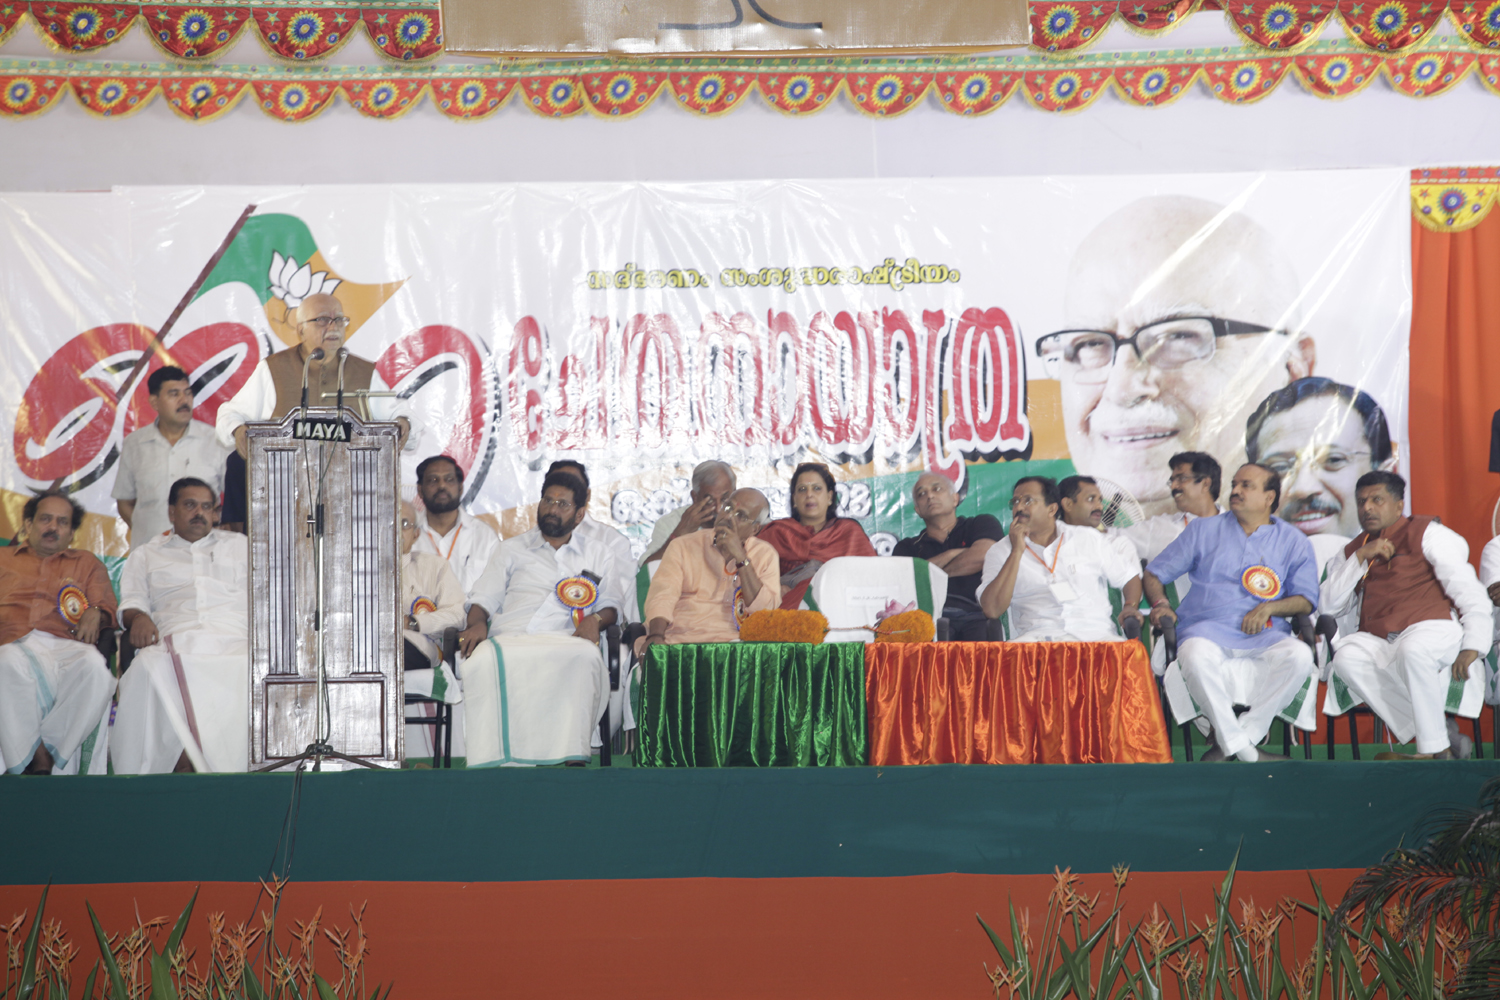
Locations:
1455 375
1013 703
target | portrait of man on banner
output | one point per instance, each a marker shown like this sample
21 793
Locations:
1181 315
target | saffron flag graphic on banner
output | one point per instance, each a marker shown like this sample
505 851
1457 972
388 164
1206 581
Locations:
277 256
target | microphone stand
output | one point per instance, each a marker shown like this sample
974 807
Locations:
320 749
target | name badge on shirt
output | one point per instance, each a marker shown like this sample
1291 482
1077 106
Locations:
1062 591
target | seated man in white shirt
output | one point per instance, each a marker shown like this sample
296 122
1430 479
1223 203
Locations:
432 601
1054 578
618 544
445 529
710 487
535 689
1403 654
185 701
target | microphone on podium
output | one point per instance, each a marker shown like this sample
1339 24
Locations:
316 355
343 356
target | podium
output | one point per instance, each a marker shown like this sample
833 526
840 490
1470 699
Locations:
322 481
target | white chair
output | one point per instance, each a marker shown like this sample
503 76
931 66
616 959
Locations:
852 590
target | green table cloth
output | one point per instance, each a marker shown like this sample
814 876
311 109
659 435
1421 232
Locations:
754 704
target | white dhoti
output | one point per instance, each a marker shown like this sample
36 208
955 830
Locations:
1273 681
54 693
204 710
532 699
1408 681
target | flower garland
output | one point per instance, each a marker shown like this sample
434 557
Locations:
777 625
618 89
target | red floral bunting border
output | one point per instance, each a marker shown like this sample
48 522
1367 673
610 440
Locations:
414 32
1273 25
879 88
201 31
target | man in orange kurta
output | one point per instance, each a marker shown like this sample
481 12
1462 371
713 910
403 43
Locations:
55 687
705 575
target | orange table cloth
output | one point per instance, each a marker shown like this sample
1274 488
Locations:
1013 703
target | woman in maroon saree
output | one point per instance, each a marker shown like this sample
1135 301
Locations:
813 534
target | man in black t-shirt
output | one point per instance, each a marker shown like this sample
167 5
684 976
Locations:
956 545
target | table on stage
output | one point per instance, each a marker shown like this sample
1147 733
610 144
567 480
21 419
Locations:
840 704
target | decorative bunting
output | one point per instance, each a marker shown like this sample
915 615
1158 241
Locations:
1245 81
621 93
1427 74
304 33
1336 76
22 96
606 88
553 96
1447 200
886 94
471 99
412 32
11 12
188 31
80 27
975 92
408 35
384 98
113 96
293 101
711 93
202 99
799 93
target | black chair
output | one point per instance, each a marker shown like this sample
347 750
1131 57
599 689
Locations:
441 720
610 639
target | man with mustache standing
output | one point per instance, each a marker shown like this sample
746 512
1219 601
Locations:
1181 316
1248 570
171 447
55 688
274 389
1402 579
1194 485
536 687
185 701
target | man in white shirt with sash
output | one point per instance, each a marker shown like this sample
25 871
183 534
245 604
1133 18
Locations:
185 701
1249 570
1054 578
432 602
534 691
610 538
445 529
1398 584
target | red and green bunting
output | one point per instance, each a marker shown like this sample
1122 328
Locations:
201 31
414 31
877 87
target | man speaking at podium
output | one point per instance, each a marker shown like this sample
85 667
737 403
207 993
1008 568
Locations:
276 387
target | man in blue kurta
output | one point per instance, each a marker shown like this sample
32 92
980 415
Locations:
1248 570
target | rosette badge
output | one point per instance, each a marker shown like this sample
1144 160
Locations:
1262 583
422 605
72 603
578 594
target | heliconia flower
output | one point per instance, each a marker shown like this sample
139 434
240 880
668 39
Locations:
292 284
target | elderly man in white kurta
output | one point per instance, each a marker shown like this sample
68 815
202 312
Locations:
1054 578
535 683
432 602
1401 580
185 701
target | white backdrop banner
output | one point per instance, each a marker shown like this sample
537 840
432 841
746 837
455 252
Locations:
983 329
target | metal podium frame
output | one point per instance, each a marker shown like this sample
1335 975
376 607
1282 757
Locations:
323 520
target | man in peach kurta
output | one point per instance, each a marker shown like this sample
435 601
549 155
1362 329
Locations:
706 576
55 688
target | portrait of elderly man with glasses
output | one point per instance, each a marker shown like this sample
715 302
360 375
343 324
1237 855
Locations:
1181 316
1320 436
274 389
